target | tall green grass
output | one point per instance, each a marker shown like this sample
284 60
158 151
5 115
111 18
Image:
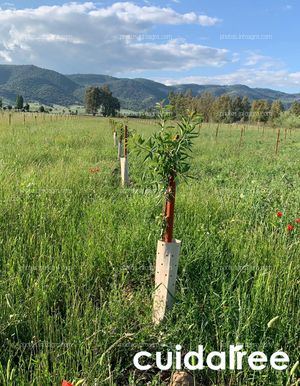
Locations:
77 254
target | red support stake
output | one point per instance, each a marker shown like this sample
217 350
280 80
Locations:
121 142
121 136
169 210
125 141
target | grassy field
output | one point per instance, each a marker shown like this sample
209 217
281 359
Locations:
77 254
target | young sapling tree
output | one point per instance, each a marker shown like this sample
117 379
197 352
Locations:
113 126
120 143
168 154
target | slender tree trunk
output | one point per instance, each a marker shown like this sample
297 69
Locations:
169 210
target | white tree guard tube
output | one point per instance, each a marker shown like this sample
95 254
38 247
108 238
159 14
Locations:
115 139
167 259
120 150
124 171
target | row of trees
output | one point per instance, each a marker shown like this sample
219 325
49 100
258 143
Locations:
228 109
20 106
97 99
100 99
223 109
25 107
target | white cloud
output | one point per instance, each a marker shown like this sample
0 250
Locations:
132 13
252 78
262 61
254 58
236 57
5 56
87 37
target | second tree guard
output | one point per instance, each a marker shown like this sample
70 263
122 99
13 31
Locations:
124 159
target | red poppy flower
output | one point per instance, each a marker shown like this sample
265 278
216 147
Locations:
66 383
297 221
279 214
290 227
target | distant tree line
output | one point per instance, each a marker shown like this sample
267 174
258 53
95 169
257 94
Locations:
20 105
221 109
230 109
100 100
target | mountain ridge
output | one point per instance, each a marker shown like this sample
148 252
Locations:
49 87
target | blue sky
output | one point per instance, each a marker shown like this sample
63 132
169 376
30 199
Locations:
173 41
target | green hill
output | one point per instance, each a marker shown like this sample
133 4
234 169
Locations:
134 94
139 94
50 87
36 85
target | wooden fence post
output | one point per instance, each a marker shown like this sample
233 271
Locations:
277 142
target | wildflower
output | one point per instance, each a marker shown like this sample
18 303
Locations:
66 383
290 227
297 221
279 214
